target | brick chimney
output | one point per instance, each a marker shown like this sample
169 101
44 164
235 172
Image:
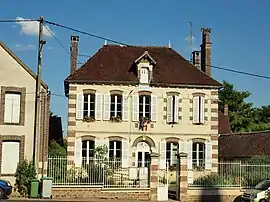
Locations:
226 110
73 53
196 59
206 51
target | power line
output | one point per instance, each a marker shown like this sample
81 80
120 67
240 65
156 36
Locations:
121 43
61 44
118 42
17 20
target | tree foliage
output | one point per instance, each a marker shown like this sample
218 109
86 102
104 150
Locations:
243 116
56 149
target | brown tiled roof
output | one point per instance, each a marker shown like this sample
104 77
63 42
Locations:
223 124
115 64
23 65
243 145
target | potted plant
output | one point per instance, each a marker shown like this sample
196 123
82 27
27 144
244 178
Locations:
116 119
89 119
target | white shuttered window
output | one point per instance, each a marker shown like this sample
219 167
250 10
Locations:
12 108
172 109
198 109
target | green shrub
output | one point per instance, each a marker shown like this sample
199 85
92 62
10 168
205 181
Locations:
215 180
25 172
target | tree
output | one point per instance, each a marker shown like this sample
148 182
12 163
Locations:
56 150
243 117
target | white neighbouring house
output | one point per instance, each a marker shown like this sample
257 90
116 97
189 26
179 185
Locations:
17 108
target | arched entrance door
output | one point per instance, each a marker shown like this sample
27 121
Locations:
142 155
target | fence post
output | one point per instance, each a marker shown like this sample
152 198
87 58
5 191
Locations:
240 175
154 176
182 188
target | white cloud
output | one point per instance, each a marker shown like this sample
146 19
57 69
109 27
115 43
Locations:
22 47
32 28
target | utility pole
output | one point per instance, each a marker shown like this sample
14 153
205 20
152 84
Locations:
41 42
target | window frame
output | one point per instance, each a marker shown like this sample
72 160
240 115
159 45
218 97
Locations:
12 121
143 112
144 71
114 113
201 101
197 161
88 112
90 154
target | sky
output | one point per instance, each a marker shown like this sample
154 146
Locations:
239 36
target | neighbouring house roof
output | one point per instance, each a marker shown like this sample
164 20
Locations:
243 145
16 58
115 64
223 124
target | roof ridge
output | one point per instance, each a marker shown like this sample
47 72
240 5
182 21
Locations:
251 132
137 46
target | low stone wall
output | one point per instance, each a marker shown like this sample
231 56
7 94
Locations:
215 195
94 193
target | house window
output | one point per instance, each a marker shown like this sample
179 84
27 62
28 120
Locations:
12 108
172 109
10 157
171 151
144 76
116 106
198 154
115 150
145 106
88 148
198 109
89 105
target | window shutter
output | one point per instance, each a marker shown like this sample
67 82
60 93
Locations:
181 147
153 108
196 109
135 108
169 109
106 143
162 153
125 153
189 152
125 108
176 109
78 152
79 106
107 107
98 106
8 108
208 156
202 109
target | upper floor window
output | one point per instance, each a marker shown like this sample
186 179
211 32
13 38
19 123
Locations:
145 106
172 109
89 105
198 155
12 107
171 151
144 75
198 109
116 106
88 148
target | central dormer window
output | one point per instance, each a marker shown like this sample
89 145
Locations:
144 77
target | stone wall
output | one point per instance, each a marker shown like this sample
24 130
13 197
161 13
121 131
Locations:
92 193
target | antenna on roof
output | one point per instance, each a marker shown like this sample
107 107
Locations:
190 38
169 44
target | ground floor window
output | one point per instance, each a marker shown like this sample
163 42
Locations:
198 154
88 148
10 156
